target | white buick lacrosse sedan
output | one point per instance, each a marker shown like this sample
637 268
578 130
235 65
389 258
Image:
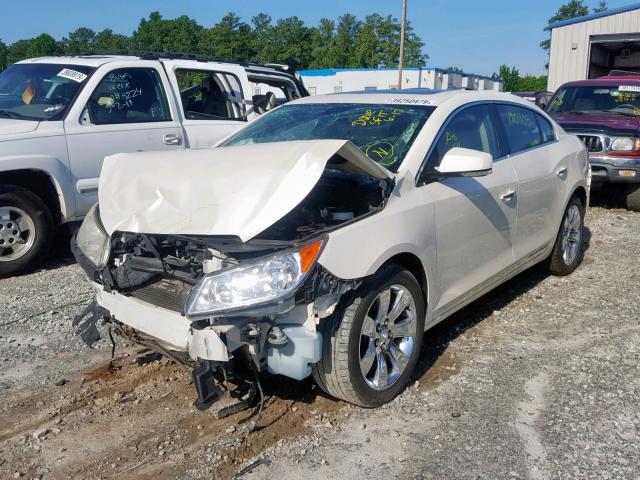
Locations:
326 236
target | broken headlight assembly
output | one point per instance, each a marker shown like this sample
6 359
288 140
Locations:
268 279
92 241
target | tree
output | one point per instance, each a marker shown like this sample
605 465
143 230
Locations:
602 7
262 42
455 69
109 42
4 54
572 9
229 38
292 41
344 47
158 35
510 76
79 41
323 48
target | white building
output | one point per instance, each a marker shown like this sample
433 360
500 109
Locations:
593 45
358 79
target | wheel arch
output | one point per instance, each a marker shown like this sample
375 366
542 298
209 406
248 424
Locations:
39 183
413 264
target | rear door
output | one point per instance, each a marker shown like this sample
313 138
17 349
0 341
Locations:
124 108
475 216
541 175
212 99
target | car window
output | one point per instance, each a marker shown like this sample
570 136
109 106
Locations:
520 126
129 95
471 128
548 134
37 91
385 133
208 95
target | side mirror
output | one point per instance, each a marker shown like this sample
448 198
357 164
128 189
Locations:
464 162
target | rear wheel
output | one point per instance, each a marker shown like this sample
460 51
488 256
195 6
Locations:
633 198
372 342
567 252
26 232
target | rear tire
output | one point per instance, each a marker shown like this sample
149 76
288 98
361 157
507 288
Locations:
26 232
633 198
568 252
361 330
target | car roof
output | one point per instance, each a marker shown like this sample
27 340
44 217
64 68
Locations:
85 60
99 60
415 96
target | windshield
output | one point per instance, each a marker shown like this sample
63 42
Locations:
36 91
384 132
612 100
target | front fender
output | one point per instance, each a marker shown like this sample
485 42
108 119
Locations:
55 168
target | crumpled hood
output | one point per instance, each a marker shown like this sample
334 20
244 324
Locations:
12 127
239 191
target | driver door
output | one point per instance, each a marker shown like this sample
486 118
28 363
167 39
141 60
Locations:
475 217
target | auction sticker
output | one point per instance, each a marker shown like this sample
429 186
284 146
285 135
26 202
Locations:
72 75
628 88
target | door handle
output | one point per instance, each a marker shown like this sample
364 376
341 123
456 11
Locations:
562 172
508 196
171 139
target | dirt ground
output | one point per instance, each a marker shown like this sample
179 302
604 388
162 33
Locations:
538 380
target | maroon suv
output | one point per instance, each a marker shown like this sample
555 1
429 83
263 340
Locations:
605 114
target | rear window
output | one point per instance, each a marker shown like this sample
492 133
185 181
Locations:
384 132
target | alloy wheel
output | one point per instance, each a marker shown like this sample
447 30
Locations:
571 234
17 233
387 337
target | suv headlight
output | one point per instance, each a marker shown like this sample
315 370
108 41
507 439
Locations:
268 279
625 144
92 240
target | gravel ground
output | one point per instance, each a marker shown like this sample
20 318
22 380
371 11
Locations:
538 380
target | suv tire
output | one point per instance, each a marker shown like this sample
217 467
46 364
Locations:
633 198
361 327
28 225
568 251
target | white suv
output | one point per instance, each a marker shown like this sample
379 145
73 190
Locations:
325 237
60 116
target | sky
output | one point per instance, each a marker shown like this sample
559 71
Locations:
473 35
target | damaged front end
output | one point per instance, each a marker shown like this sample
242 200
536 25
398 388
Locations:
221 304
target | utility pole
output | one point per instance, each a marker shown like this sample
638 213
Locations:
402 27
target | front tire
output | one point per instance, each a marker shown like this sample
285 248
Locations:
633 198
567 252
372 341
26 232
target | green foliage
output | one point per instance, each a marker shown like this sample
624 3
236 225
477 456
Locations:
347 42
513 82
4 54
456 69
602 7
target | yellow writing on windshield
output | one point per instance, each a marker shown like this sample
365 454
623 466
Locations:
381 152
376 117
626 97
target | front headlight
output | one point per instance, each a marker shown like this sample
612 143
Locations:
268 279
624 144
92 240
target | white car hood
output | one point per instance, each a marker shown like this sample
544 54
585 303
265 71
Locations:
9 126
239 191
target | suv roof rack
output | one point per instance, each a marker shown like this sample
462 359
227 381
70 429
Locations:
291 67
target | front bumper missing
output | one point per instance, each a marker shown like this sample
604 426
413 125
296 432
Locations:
173 330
